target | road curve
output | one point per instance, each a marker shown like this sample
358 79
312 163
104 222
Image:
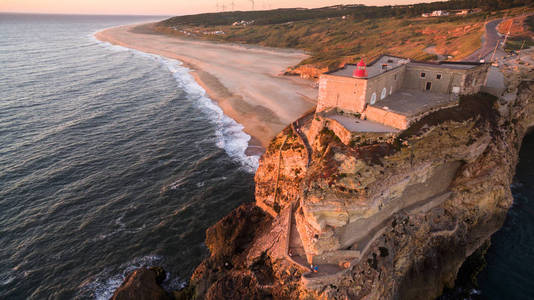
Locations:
490 40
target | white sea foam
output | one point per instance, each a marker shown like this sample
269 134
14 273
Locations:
229 134
105 283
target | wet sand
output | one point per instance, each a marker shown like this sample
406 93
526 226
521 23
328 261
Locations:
245 81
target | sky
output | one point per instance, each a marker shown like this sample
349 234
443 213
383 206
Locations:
169 7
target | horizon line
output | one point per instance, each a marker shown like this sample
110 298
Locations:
82 14
206 12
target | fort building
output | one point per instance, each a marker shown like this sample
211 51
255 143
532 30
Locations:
396 91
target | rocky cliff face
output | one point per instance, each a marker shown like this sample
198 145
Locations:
388 219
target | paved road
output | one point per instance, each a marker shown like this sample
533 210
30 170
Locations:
490 39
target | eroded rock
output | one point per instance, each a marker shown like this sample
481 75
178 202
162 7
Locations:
143 283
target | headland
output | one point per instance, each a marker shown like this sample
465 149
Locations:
401 172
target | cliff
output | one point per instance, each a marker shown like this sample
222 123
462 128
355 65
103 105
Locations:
381 218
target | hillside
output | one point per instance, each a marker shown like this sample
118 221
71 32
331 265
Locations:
521 30
337 35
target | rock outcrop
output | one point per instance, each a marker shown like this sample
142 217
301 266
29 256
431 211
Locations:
141 284
388 219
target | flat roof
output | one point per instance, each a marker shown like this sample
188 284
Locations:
374 68
386 63
448 65
354 124
412 102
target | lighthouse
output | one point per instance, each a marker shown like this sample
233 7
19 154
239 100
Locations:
361 70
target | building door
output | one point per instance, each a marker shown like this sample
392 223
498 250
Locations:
428 86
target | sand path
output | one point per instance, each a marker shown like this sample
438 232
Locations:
244 80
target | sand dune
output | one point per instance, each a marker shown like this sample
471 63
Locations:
244 80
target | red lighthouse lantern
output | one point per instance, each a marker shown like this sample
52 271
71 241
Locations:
361 69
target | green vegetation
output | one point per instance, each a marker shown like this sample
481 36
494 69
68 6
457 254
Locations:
336 35
518 43
332 42
279 16
530 23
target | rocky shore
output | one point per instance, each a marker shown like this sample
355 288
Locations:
382 219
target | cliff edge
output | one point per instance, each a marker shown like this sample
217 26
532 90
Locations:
377 216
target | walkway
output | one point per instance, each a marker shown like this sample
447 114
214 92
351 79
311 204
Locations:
354 124
297 129
297 255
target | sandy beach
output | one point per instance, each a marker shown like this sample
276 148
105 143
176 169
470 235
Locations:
245 81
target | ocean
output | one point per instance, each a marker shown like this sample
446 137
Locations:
110 159
509 273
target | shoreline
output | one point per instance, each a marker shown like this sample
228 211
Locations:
243 81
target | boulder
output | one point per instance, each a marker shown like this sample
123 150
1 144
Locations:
143 283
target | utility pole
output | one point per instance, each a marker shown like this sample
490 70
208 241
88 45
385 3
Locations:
508 33
495 51
522 45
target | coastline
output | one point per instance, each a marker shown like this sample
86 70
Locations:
243 81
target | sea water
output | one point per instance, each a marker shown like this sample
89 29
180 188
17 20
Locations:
510 259
507 272
110 159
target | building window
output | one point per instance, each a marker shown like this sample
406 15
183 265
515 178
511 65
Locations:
428 86
395 76
438 76
384 93
423 74
373 98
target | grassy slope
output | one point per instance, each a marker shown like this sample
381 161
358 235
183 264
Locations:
521 32
332 42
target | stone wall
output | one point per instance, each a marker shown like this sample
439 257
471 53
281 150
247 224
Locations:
450 78
465 81
475 80
387 117
341 132
345 93
385 84
346 136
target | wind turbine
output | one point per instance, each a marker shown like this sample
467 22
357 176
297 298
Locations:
252 1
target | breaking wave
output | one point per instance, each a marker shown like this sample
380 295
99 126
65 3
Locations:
230 135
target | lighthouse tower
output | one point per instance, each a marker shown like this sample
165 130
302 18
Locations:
361 70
